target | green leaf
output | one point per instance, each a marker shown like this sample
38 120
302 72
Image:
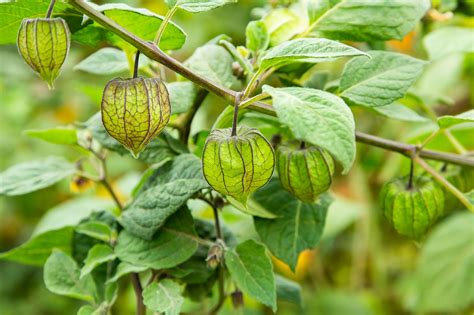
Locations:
26 177
449 40
399 112
125 268
61 276
283 24
288 291
70 213
312 50
97 255
107 61
445 273
298 226
318 117
214 63
251 269
141 22
164 297
182 95
370 20
12 13
257 37
38 248
96 229
60 135
449 121
197 6
171 245
164 193
380 80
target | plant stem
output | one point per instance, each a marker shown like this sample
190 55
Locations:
443 181
456 144
151 51
163 24
254 99
137 286
136 64
50 9
410 176
221 279
241 60
236 115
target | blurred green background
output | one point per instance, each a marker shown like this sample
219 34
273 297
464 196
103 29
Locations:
361 266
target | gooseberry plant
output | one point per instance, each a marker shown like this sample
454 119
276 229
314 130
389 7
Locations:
281 182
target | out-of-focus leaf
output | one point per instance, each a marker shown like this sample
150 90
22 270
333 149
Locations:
26 177
37 249
182 95
399 112
283 24
251 269
449 121
318 117
61 276
445 273
257 37
288 291
449 40
164 297
196 6
297 226
107 61
380 80
60 135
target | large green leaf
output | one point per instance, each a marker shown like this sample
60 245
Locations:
298 226
107 61
449 121
380 80
311 50
61 276
26 177
318 117
164 193
97 255
445 273
370 20
37 249
173 244
12 13
251 269
196 6
60 135
182 95
164 297
214 63
449 40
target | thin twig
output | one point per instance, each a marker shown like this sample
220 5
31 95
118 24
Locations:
137 286
163 25
136 64
151 51
236 115
50 9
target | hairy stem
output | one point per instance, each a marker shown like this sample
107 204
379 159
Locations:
443 181
151 51
50 9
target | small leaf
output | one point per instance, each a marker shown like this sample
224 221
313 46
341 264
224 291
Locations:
95 229
445 273
449 40
317 117
24 178
311 50
107 61
38 248
60 135
449 121
298 226
97 255
125 268
171 245
380 80
257 37
164 297
251 269
197 6
61 276
214 63
370 20
399 112
283 24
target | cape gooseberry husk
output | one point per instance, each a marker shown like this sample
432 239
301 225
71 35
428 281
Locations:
135 110
412 211
237 165
305 172
44 44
